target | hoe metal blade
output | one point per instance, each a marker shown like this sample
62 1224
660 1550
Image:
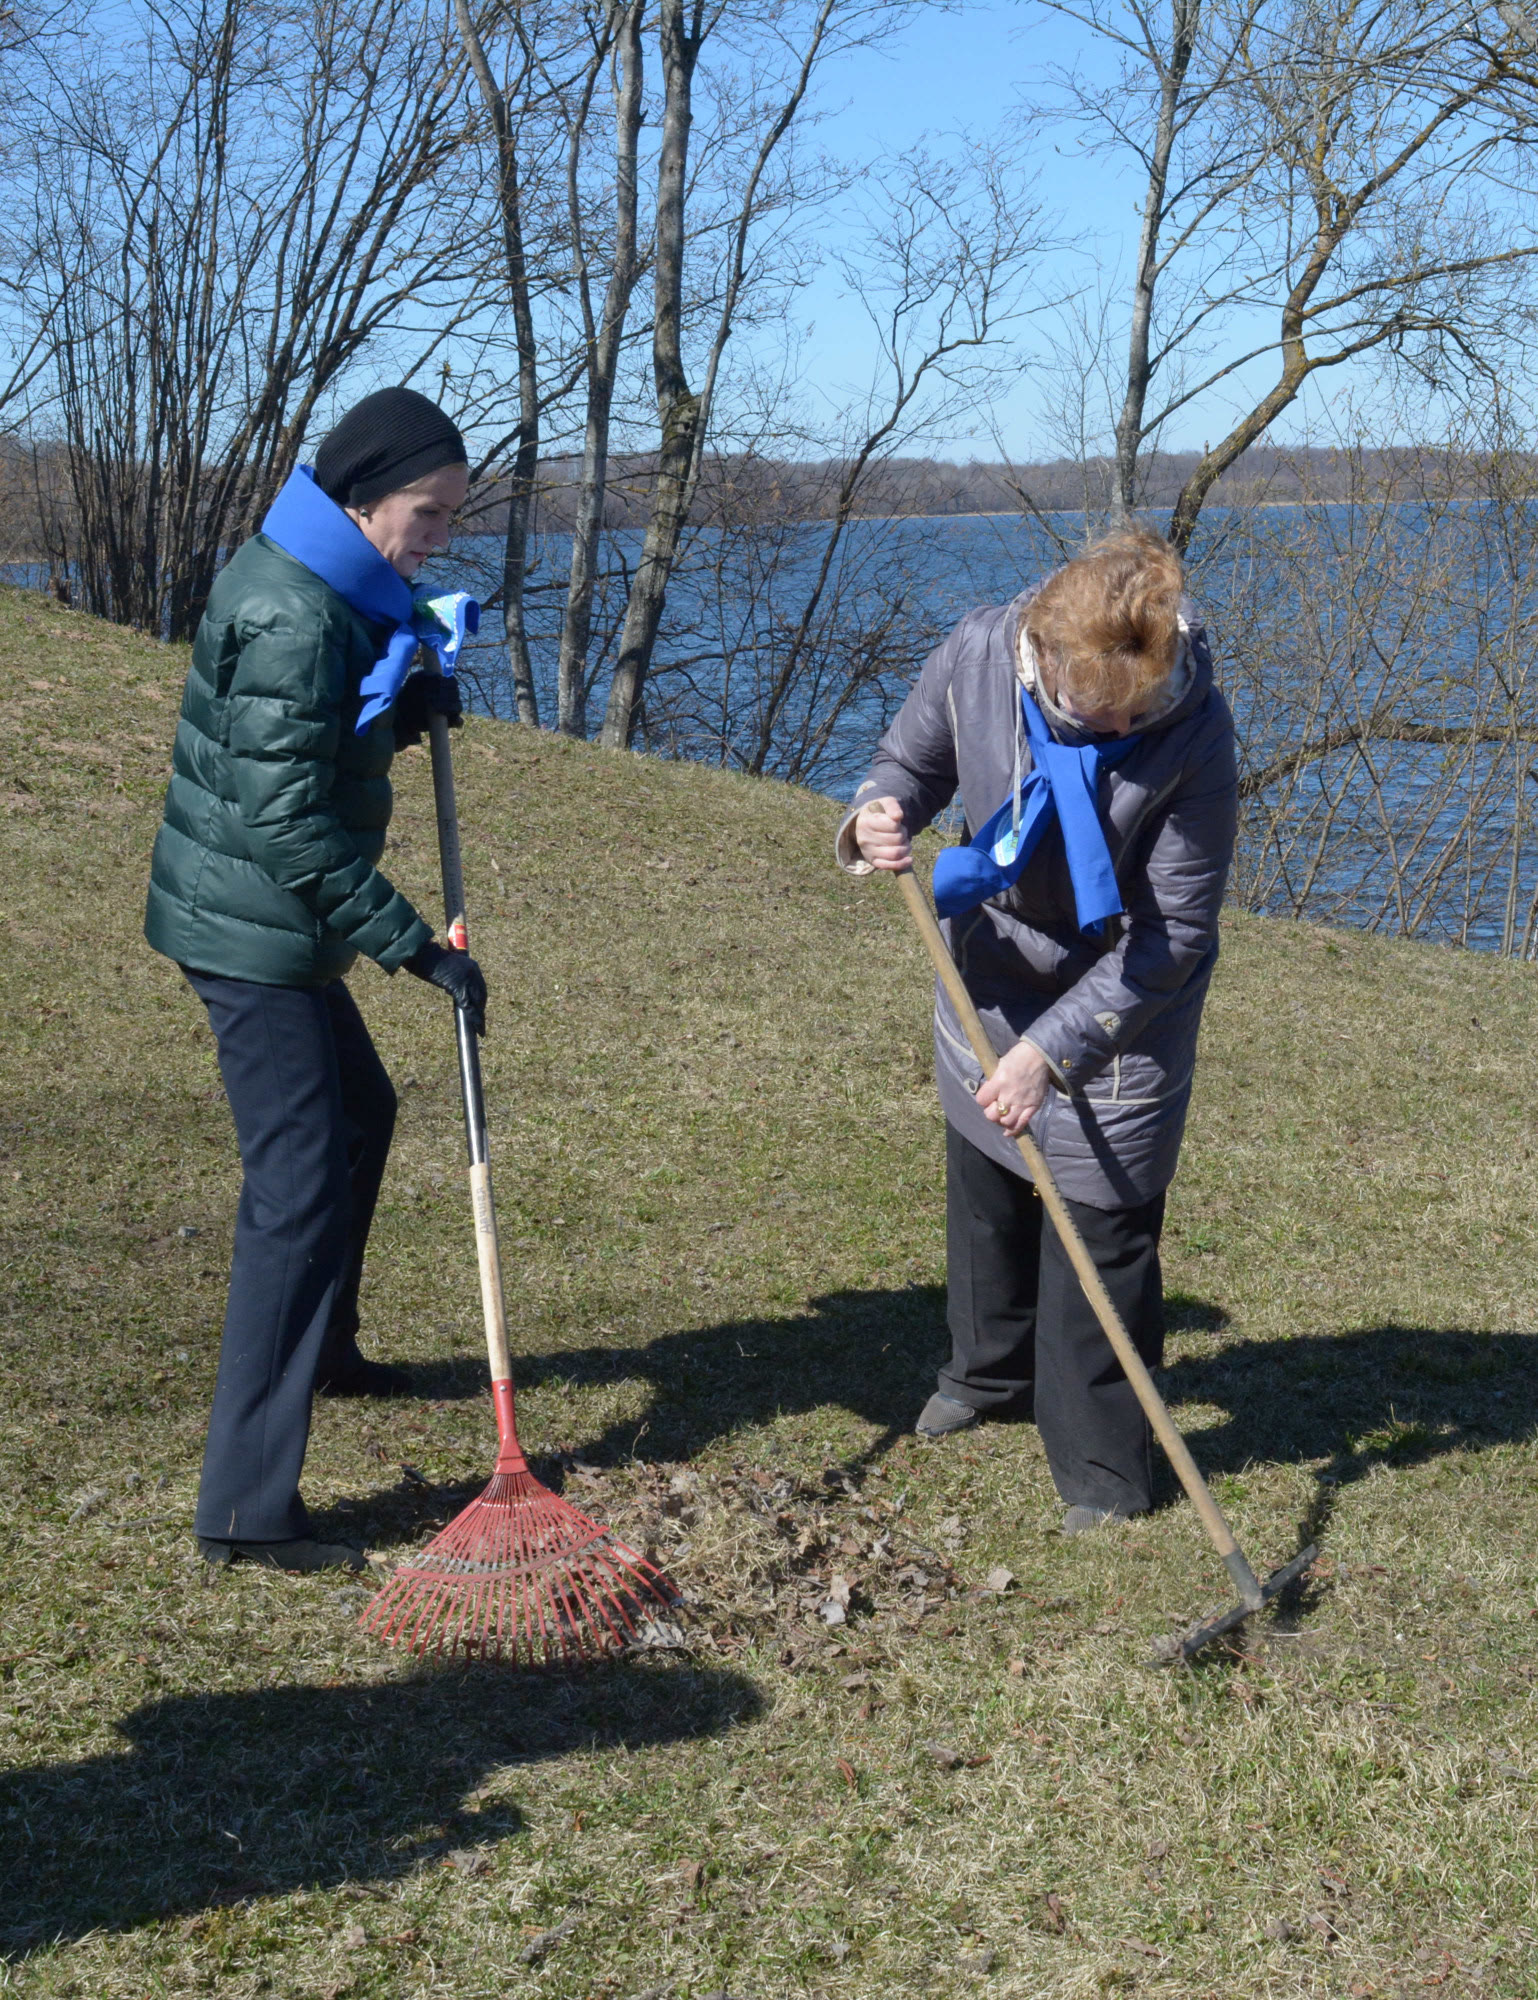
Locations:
1185 1645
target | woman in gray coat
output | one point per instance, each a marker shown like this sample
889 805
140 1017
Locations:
1094 758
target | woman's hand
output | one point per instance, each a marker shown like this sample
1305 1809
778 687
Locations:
882 838
1015 1092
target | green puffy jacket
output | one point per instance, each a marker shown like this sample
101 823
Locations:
265 863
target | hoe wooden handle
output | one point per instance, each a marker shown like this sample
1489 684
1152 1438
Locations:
1137 1374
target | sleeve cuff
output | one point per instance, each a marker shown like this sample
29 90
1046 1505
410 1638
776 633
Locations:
407 946
1057 1070
846 850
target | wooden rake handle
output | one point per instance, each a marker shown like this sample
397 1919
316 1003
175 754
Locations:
1175 1447
487 1248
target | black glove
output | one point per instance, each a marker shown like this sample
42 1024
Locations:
423 696
459 976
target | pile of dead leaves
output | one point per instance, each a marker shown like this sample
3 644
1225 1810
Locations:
761 1556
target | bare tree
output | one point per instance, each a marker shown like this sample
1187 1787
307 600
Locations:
773 96
603 334
940 271
1379 656
505 104
1320 167
797 615
223 217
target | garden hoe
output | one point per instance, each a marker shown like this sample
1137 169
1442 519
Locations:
520 1574
1253 1594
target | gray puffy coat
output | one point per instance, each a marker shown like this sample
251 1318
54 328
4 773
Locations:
1116 1016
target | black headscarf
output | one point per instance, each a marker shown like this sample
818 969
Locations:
387 441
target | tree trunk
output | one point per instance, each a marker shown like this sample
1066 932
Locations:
603 343
526 456
678 409
1185 19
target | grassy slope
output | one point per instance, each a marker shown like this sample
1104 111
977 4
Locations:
718 1163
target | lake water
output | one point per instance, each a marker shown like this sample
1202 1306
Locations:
1362 624
1347 628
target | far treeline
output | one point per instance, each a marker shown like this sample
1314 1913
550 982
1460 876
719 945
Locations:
586 227
919 488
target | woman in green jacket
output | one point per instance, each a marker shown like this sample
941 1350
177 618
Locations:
264 888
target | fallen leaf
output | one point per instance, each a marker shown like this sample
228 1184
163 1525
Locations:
537 1947
658 1635
355 1937
692 1874
835 1608
1056 1919
846 1771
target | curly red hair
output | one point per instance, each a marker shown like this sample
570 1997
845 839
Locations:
1106 626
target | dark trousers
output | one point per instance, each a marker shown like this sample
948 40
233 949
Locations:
1022 1329
314 1114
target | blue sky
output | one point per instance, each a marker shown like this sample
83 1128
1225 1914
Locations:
976 70
972 71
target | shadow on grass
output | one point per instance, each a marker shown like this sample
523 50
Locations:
872 1353
223 1797
1386 1395
1392 1395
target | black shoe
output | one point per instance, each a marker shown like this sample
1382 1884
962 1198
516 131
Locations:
943 1414
298 1557
353 1376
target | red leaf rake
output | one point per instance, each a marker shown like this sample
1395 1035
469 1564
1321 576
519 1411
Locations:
521 1574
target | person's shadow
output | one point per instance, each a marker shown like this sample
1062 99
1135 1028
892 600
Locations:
872 1353
1392 1396
1389 1394
217 1797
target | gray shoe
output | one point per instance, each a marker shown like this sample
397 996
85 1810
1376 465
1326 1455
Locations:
943 1414
1079 1520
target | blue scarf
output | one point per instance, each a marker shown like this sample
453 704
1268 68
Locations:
316 532
1064 785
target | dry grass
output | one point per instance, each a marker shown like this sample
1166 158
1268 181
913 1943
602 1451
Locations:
718 1161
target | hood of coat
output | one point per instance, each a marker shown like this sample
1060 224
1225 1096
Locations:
1189 682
